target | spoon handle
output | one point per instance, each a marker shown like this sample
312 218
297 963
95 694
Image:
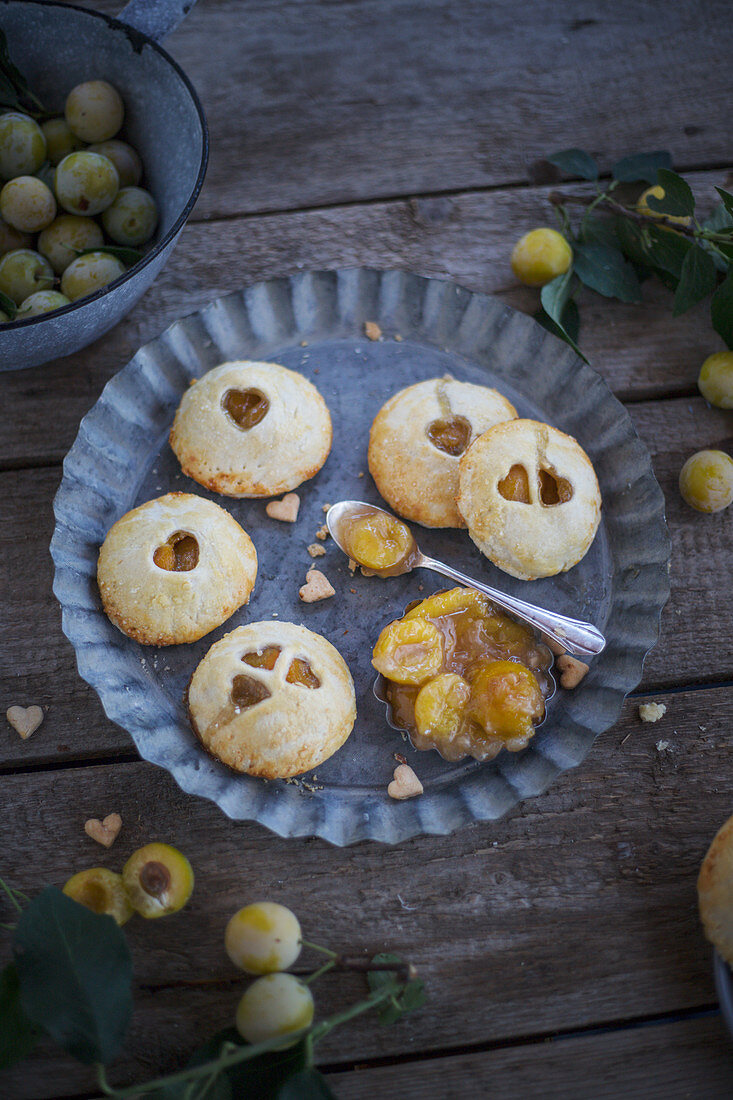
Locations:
573 634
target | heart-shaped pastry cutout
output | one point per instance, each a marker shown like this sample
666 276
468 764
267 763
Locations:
405 783
317 587
24 720
104 832
285 509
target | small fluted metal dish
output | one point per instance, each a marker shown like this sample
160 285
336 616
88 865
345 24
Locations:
314 323
379 690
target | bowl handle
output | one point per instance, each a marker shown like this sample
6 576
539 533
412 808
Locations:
155 18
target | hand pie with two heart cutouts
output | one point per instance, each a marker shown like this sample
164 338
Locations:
530 497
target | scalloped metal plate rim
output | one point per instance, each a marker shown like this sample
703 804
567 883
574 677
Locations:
439 314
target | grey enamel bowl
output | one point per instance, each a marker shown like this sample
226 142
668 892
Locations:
59 45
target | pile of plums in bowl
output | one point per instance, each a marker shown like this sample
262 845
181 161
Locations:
73 213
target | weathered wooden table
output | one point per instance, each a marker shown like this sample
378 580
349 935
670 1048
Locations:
560 946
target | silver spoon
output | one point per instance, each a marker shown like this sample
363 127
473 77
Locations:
575 636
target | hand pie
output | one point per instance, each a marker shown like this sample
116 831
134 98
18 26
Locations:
530 497
174 569
715 892
251 430
272 699
416 442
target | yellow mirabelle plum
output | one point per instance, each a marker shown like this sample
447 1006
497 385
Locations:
706 481
716 379
540 256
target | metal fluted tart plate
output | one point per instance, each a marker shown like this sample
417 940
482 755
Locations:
314 323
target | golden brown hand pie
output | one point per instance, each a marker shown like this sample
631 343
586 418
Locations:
174 569
272 699
715 892
530 498
251 430
416 442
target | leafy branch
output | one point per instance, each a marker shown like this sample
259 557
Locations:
71 979
621 241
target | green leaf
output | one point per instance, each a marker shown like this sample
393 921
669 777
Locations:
7 305
605 270
727 199
697 280
575 162
309 1084
719 220
667 250
126 255
569 325
410 998
641 166
18 1035
595 230
678 200
555 297
75 975
721 309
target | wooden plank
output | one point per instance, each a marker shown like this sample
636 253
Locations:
641 351
665 1061
39 666
578 908
315 102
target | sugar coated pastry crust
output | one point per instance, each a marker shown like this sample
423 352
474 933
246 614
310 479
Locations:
534 539
286 446
162 606
294 726
417 478
715 892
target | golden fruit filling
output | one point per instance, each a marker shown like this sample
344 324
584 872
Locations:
451 435
247 692
462 677
515 486
380 543
245 407
301 673
263 658
553 489
179 554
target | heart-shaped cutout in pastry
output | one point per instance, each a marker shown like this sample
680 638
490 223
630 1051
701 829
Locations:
24 720
104 832
405 783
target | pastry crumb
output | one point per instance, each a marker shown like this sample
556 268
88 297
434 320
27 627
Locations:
405 783
556 648
304 343
360 474
662 746
325 507
652 712
316 550
372 331
285 509
317 587
571 671
397 337
322 532
353 566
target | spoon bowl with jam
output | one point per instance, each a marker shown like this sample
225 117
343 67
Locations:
384 545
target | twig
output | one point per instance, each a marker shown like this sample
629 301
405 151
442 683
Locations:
559 198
